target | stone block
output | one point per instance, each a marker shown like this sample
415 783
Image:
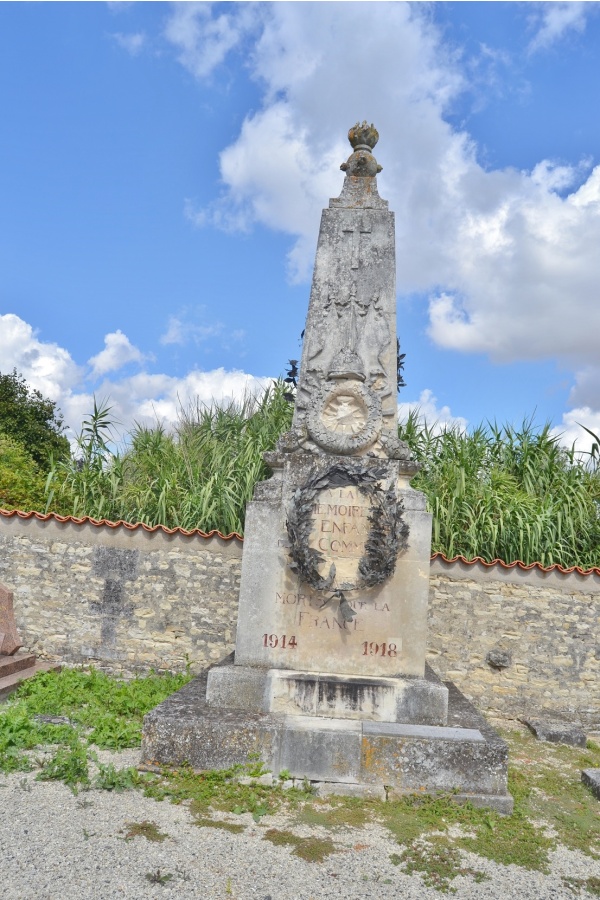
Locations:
499 659
321 749
237 687
283 623
556 732
416 700
10 641
184 729
591 779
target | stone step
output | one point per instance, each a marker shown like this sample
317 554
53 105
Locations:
10 683
15 663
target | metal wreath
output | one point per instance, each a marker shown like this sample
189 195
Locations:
388 535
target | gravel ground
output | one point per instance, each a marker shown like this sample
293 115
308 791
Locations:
57 846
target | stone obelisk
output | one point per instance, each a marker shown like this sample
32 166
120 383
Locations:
337 545
328 680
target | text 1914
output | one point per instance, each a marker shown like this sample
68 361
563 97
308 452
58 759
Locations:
282 642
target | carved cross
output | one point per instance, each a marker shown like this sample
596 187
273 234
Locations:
355 235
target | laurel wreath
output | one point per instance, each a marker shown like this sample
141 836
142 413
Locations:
388 534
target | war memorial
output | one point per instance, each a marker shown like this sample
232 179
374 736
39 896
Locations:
328 680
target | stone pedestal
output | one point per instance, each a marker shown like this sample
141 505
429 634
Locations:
284 623
422 701
359 757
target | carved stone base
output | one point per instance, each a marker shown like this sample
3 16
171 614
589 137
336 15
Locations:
421 701
338 755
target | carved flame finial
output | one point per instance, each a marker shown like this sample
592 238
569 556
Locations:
363 137
362 163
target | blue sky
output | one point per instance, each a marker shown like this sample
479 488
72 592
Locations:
163 168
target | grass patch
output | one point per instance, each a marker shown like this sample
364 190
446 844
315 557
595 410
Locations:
591 885
109 709
437 861
311 849
219 789
338 812
233 827
145 829
555 793
67 764
104 711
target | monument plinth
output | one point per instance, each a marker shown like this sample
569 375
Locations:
329 666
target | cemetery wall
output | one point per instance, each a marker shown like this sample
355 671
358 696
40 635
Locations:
123 598
517 641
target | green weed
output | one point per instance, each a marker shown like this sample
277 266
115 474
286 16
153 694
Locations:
110 709
437 861
158 877
107 712
233 827
145 829
310 849
219 789
110 779
67 764
591 885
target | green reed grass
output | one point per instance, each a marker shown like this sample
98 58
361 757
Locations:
501 492
496 491
200 475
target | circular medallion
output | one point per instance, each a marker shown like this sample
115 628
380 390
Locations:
345 418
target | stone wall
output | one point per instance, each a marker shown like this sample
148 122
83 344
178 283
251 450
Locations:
126 599
516 641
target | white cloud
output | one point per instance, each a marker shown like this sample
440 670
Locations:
501 253
555 20
181 330
148 398
45 366
204 40
427 409
572 431
118 351
142 397
133 43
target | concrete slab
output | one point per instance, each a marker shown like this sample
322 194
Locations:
557 732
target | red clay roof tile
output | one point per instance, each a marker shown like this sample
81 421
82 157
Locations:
228 537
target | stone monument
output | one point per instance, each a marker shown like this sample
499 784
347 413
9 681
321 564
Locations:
328 680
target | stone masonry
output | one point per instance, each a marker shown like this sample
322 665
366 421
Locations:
124 600
516 642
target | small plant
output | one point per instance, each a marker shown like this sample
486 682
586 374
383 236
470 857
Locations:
233 827
285 775
436 860
68 764
158 877
111 779
145 829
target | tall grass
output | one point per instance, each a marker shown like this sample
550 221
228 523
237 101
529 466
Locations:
200 475
497 492
501 492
